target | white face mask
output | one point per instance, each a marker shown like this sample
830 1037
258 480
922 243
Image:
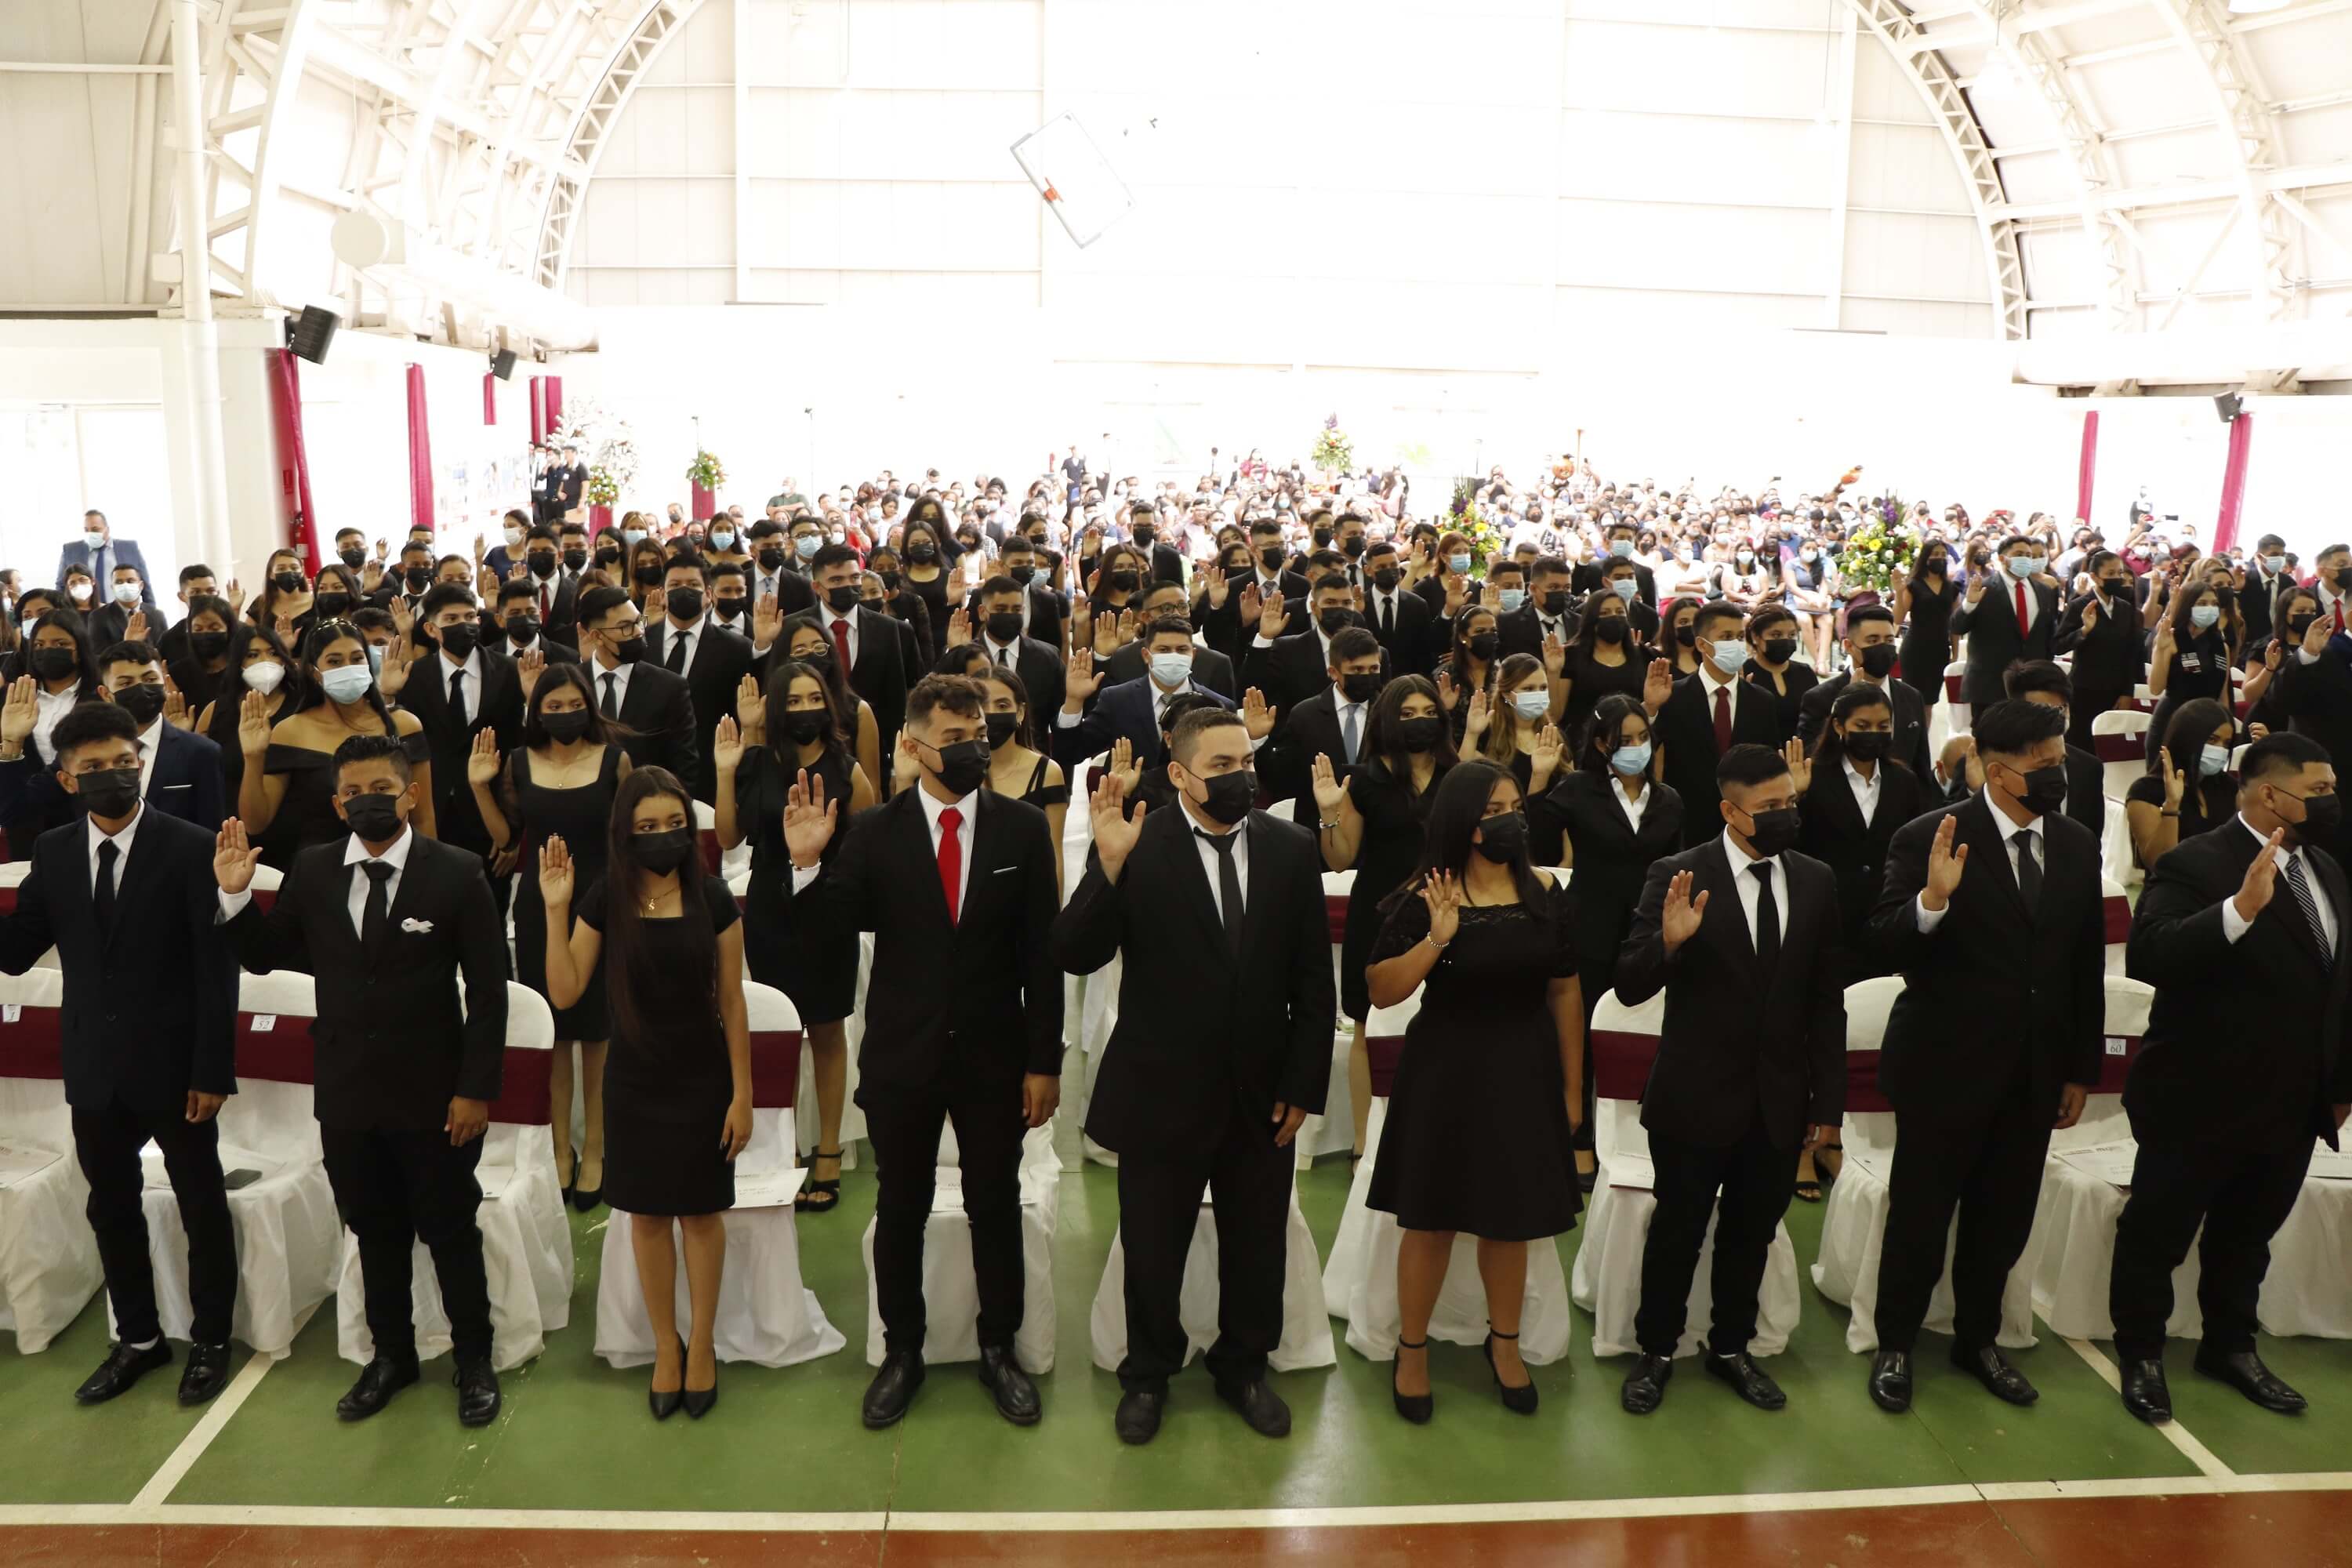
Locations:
347 683
1172 669
514 537
264 675
1531 705
79 590
93 538
126 593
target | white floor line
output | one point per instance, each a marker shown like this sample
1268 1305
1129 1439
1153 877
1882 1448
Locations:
115 1514
2195 1452
216 1416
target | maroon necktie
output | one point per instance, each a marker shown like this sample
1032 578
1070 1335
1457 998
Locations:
951 855
1722 719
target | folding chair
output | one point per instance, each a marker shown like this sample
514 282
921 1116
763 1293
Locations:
1334 1131
2119 740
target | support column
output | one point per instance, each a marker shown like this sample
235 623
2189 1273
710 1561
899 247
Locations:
208 450
2086 466
2233 482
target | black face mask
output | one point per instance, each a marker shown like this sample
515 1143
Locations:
1271 557
1555 603
575 559
609 557
331 606
2321 815
963 767
353 558
1483 646
889 575
664 852
1322 538
648 575
287 582
729 610
1352 548
1687 634
1122 582
842 599
684 604
521 630
922 554
1360 687
1021 575
1335 621
1387 578
1144 535
1419 735
771 560
1504 838
1231 796
1878 660
1775 831
457 641
807 725
566 726
141 702
208 645
1609 628
111 793
2296 626
1779 651
630 650
55 663
1005 627
1870 745
417 577
2115 587
2046 789
374 817
1000 728
542 563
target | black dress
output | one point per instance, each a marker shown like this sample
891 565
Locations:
1611 860
1589 680
1476 1138
1387 853
306 813
1800 679
581 816
2205 804
813 962
1927 644
1040 793
666 1098
2200 668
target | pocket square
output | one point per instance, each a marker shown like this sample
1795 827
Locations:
1004 870
417 925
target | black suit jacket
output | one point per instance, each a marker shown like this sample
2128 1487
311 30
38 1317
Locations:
722 660
658 712
570 486
1286 762
1128 711
1293 670
149 1005
1581 811
1910 743
1202 1037
2207 1071
1739 1040
2109 660
1521 631
1994 641
1855 851
186 784
393 1044
2086 791
972 1006
2319 702
496 705
1039 665
1686 728
1209 669
1587 579
1999 988
1411 646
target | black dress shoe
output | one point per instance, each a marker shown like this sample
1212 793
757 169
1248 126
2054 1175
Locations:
1990 1367
1646 1385
1016 1395
1416 1408
379 1381
2244 1370
206 1375
1137 1420
1518 1399
2145 1395
893 1388
122 1367
1747 1379
664 1404
478 1393
1890 1381
1263 1408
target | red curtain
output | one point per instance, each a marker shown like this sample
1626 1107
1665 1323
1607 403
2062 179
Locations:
705 502
2233 482
294 463
420 454
555 403
538 409
2088 468
490 398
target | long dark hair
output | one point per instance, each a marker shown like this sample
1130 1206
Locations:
1461 648
70 623
319 638
1828 750
601 731
1454 816
631 969
1605 732
2184 738
826 668
1024 733
774 702
1384 737
228 699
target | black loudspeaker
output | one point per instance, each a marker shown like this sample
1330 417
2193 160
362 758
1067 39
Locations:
502 365
310 333
2228 406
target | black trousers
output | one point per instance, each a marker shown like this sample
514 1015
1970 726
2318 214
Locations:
2242 1191
107 1142
1248 1178
2089 702
904 1128
395 1189
1745 1187
1990 1169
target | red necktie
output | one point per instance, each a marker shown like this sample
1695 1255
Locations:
2339 617
951 856
546 603
841 652
2022 627
1722 719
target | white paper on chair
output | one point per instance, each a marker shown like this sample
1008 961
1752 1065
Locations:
769 1189
152 1173
19 1164
2108 1162
2330 1166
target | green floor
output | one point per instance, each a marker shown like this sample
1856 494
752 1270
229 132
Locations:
575 1433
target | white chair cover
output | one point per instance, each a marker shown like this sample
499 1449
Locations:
2123 730
1951 716
767 1316
2311 1256
49 1267
1305 1320
1334 1131
2103 1119
2117 863
526 1236
1607 1279
1090 1001
950 1296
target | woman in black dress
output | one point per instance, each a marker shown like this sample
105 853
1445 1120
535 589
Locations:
1490 1090
1469 666
2186 789
1772 668
795 726
561 783
287 789
1373 822
1016 768
925 574
1923 607
2189 660
680 1072
1605 660
1607 819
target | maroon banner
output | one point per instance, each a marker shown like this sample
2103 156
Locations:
2087 468
555 405
420 454
490 398
706 502
2233 482
775 1068
293 461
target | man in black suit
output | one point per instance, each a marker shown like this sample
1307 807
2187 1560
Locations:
2004 621
683 638
1870 643
1041 607
1744 936
2224 1110
388 921
180 771
1544 615
2044 682
775 576
1401 618
1707 715
1590 575
1274 579
635 691
996 616
1335 722
1617 577
1993 915
1134 710
1129 661
2102 630
1291 668
867 642
1204 1084
570 488
555 592
546 485
1143 532
2264 577
463 687
963 1018
149 1037
2316 685
516 630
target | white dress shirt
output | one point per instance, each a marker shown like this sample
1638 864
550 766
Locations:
355 851
1004 656
673 633
1750 891
2233 927
149 740
1712 681
1634 806
1210 855
618 677
469 690
53 706
121 842
2019 841
1866 790
933 806
2007 587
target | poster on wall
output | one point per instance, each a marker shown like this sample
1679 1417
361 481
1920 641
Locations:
476 487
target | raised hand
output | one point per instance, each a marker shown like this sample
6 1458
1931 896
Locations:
1544 760
2315 636
1975 586
1251 607
959 627
1801 767
2275 656
2175 782
1114 831
1123 765
1441 894
1555 654
482 762
1657 684
752 711
403 617
1330 790
1257 717
726 746
555 873
285 628
1081 625
1480 715
1128 626
1679 921
2090 611
956 589
397 662
1447 692
2261 878
530 667
236 595
1214 577
1084 679
135 629
252 725
175 706
1458 593
808 820
1945 864
767 622
233 857
1491 597
1271 617
656 606
371 576
21 711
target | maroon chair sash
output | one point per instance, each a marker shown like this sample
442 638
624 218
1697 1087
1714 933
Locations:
2119 748
2117 1054
1621 1063
1385 1051
708 837
1862 1091
33 1045
775 1068
1335 910
2119 919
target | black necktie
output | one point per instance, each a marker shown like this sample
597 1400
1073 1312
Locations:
2029 869
1388 615
677 652
1767 917
373 923
612 703
107 853
1229 886
457 693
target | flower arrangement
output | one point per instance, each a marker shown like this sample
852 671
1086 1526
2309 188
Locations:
1880 544
604 489
706 472
607 443
1333 451
1486 541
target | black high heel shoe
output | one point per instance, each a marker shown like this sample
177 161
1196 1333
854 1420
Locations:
665 1406
586 1199
568 1181
699 1400
1416 1408
1519 1401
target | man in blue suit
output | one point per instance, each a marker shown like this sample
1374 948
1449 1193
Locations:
101 552
1130 710
180 771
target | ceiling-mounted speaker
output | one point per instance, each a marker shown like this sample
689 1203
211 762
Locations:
502 365
310 333
2228 405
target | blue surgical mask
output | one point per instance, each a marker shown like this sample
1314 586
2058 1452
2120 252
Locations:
2213 761
1728 655
808 544
1513 598
633 537
1625 587
2024 566
1458 564
2204 615
1630 759
1172 669
722 539
1531 705
346 683
376 659
2274 563
1621 548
